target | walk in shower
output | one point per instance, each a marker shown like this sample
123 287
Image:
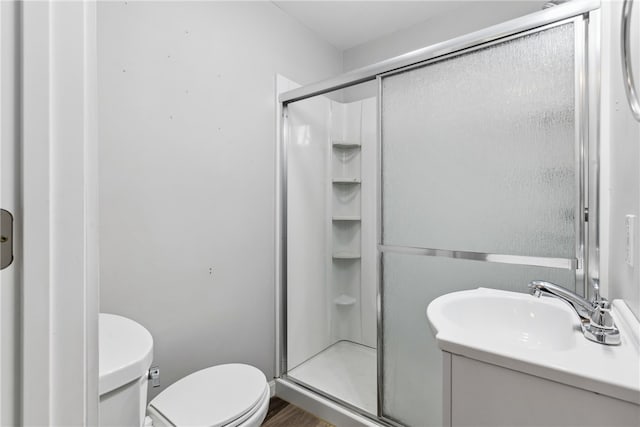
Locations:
470 163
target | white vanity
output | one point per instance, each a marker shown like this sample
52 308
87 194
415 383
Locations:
511 359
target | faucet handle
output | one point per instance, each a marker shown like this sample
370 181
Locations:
601 327
601 316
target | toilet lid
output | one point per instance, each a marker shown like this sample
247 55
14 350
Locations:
212 397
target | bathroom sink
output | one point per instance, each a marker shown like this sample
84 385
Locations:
540 337
507 319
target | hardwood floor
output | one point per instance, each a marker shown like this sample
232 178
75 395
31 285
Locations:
284 414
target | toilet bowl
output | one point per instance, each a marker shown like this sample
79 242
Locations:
232 395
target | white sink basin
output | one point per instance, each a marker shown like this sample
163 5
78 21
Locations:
539 336
507 319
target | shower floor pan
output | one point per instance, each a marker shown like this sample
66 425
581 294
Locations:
345 370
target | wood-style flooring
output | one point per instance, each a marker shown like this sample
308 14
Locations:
284 414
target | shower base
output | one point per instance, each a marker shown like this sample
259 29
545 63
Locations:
345 370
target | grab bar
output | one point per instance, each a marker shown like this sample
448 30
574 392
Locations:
627 71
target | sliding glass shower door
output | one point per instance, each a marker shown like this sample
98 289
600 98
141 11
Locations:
471 163
481 186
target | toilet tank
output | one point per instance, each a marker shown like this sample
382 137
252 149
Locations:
125 355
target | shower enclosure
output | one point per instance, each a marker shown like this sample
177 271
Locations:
469 163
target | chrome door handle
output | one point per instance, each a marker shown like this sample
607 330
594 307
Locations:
627 67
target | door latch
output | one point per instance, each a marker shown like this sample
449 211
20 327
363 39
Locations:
6 239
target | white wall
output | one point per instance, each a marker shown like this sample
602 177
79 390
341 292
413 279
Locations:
620 160
187 152
469 16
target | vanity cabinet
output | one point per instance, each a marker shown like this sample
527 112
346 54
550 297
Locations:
481 394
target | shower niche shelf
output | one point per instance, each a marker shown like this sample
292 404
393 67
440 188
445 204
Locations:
346 181
344 300
346 218
346 145
346 255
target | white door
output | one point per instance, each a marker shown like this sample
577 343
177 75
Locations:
10 233
48 181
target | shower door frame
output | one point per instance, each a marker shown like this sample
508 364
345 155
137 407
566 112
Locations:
586 147
585 15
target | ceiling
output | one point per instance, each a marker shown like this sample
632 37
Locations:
346 24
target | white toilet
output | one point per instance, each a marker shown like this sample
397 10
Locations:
233 395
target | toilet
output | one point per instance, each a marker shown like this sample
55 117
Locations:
231 395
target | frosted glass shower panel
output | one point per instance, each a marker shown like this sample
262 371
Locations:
479 150
412 362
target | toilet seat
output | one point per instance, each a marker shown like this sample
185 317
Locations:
224 395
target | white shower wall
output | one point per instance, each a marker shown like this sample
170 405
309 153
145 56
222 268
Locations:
369 225
308 322
316 283
356 122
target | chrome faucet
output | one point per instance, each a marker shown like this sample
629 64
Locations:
595 315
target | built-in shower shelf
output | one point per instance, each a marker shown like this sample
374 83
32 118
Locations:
346 144
346 180
346 218
346 255
344 300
